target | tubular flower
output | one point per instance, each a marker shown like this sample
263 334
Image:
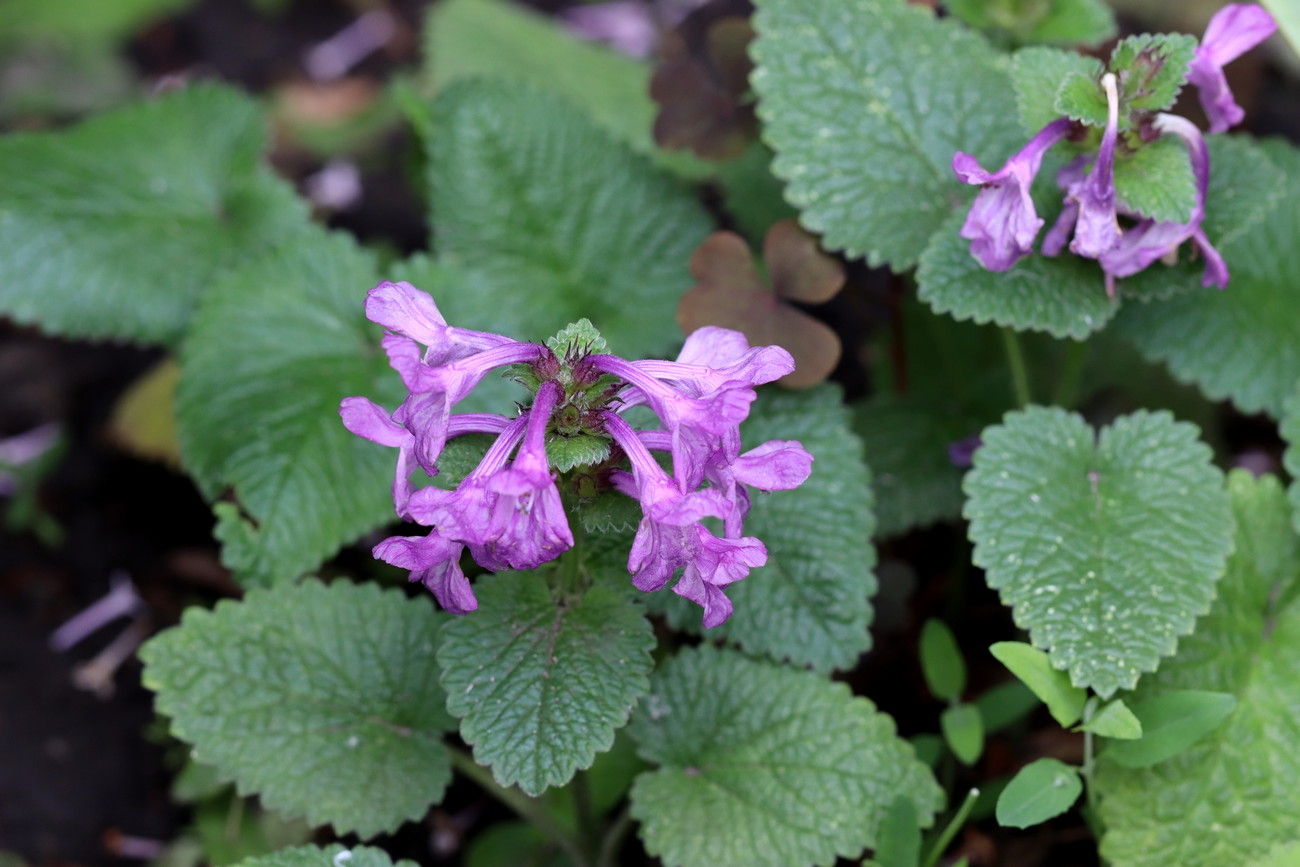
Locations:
1002 223
508 513
1090 198
1234 30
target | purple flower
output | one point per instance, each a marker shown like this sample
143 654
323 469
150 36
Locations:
671 533
1002 222
1150 240
434 561
1090 199
1234 30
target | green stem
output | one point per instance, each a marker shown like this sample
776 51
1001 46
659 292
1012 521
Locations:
613 840
1016 360
528 808
1067 387
1089 759
582 809
950 830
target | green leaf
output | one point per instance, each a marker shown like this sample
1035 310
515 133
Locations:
593 231
104 21
1287 15
1156 181
334 855
1234 795
865 102
811 603
1170 723
1034 669
963 729
764 765
1240 343
579 450
1038 792
1114 720
1039 73
114 228
1009 702
278 343
319 699
941 661
1151 69
540 683
899 839
1064 296
1074 22
752 195
1106 551
1283 854
1080 98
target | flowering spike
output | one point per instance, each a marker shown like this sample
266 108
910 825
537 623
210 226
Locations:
1002 223
1234 30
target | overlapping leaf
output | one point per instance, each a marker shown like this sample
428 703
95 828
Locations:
1236 794
1243 343
114 228
762 765
865 102
320 699
279 342
1106 551
333 855
811 603
541 684
553 221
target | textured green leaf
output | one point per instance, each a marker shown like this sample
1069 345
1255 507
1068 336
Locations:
333 855
277 344
1107 548
566 452
1074 22
1064 296
114 228
1038 74
811 603
1114 720
540 683
1080 98
1283 854
554 221
963 730
1038 792
1156 181
490 38
1032 667
763 765
320 699
865 102
1243 343
1234 795
1152 69
1170 723
941 661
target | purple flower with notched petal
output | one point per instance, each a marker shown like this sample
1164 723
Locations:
434 561
1090 200
1234 30
1002 223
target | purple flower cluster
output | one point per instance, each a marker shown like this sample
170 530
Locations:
1002 223
509 513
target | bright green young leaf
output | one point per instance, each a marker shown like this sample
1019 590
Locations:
899 839
811 603
1040 791
865 102
1038 75
1114 720
1107 547
1156 181
277 344
552 221
1240 343
765 766
1053 687
1074 22
941 661
1170 723
963 730
1064 296
540 683
1080 97
1152 69
500 39
1287 15
333 855
1283 854
114 228
321 699
1232 796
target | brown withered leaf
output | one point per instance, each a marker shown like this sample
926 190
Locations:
703 92
729 292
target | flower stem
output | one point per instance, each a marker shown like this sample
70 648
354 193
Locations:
1067 386
1090 813
528 808
613 840
950 830
1016 360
